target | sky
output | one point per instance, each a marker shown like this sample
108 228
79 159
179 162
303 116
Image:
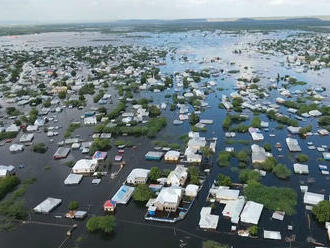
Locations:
52 11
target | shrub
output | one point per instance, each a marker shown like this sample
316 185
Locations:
268 165
7 184
194 119
154 111
105 224
213 244
267 147
253 230
226 122
256 122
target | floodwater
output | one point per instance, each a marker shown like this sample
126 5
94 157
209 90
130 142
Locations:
132 230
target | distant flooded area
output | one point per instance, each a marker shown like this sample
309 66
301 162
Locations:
229 132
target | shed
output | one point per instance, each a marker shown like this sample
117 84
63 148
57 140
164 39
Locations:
47 205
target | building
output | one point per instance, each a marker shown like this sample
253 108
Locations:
168 199
154 155
313 198
178 176
109 206
224 194
47 205
172 156
258 154
138 176
233 209
26 138
255 134
251 212
73 179
62 152
85 166
208 220
191 190
300 168
293 145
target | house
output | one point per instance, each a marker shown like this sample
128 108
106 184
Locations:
258 154
154 155
138 176
293 145
26 138
172 156
178 176
233 209
208 220
224 194
300 168
9 168
251 212
47 205
312 198
191 190
109 206
168 199
255 134
90 120
62 152
85 166
12 128
100 157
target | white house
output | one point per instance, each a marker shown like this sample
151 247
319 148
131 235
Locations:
191 190
85 166
138 176
208 220
178 176
168 199
172 156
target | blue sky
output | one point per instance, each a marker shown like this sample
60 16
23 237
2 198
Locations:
104 10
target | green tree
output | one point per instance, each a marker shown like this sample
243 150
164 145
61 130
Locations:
256 122
224 180
73 205
105 224
249 175
193 173
281 171
154 111
142 193
40 148
302 158
213 244
322 211
253 230
194 119
155 173
206 151
227 122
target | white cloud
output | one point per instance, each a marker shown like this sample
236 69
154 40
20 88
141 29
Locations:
95 10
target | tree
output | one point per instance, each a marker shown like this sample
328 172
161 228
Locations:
73 205
62 94
154 111
268 165
206 151
322 211
224 180
194 119
281 171
142 193
302 158
267 147
193 173
40 148
224 158
155 173
249 175
105 224
243 156
253 230
256 122
100 145
227 122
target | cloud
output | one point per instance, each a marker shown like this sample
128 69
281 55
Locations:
99 10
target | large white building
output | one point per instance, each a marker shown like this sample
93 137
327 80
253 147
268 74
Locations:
138 176
85 166
178 176
168 199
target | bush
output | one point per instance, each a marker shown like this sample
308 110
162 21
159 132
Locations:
273 198
194 119
8 135
154 111
224 158
242 156
253 230
105 224
256 122
281 171
142 193
224 180
249 175
302 158
227 122
40 148
322 211
73 205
